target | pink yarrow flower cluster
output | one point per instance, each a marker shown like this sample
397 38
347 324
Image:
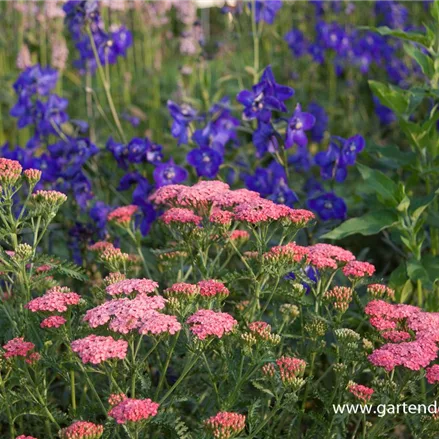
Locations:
82 430
358 269
95 349
128 286
56 299
433 374
17 347
363 393
205 323
290 368
395 320
178 215
225 425
324 256
22 436
212 288
288 253
133 410
53 322
10 171
122 215
52 198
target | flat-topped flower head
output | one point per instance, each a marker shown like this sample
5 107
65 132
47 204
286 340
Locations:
182 289
166 195
123 215
177 215
116 398
432 374
363 393
134 410
51 199
221 217
56 299
22 436
10 171
205 323
53 322
324 256
213 288
128 286
240 236
95 349
100 246
358 269
82 430
156 323
225 425
17 347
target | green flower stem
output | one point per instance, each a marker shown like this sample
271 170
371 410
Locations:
8 408
93 388
166 366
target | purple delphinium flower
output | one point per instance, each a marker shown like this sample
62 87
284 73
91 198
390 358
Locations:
385 114
297 125
265 96
36 80
328 206
98 214
206 161
266 10
169 173
137 148
283 194
321 121
51 114
330 162
182 115
265 180
297 42
119 152
302 160
351 148
265 139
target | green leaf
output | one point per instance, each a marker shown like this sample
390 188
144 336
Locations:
424 61
415 37
417 272
386 188
369 224
393 97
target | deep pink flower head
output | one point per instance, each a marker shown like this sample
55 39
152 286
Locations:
96 349
324 256
17 347
396 336
219 216
156 323
53 322
206 322
178 215
133 410
433 374
56 299
116 398
361 392
22 436
166 195
123 215
225 425
358 269
259 210
202 194
212 288
127 286
10 171
232 198
82 430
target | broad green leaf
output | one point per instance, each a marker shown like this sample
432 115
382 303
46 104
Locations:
369 224
431 265
393 97
403 294
392 156
425 62
417 272
414 37
385 187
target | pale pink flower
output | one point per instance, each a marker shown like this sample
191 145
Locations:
133 410
205 323
96 349
128 286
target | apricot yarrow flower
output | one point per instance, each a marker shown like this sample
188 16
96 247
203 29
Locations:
363 393
53 322
133 410
56 299
205 323
127 286
82 430
225 425
96 349
123 215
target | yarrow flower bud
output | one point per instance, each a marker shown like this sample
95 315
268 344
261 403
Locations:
133 410
262 331
315 328
122 215
379 291
50 200
361 392
269 370
225 425
340 296
182 290
116 398
100 246
10 171
33 176
291 369
23 252
113 278
289 311
82 430
347 335
239 236
114 257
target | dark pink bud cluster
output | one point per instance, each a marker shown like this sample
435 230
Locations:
10 171
206 322
288 253
113 255
116 398
17 347
361 392
100 246
123 215
225 425
341 297
379 291
128 286
133 410
433 374
212 288
260 329
82 430
56 299
290 368
96 349
219 216
239 235
358 269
